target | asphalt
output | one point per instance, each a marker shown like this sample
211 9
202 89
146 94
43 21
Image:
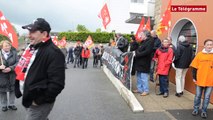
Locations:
88 95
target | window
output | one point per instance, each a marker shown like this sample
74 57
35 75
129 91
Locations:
188 30
137 1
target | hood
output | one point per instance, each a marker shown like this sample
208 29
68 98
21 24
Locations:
204 51
185 44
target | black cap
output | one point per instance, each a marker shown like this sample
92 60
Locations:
39 24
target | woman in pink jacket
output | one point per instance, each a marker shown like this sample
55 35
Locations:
163 56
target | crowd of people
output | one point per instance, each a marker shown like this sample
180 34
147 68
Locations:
80 54
153 56
41 68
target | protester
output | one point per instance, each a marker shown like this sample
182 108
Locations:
183 58
70 57
81 59
142 62
64 51
122 43
203 77
41 67
8 61
77 53
95 52
157 44
133 46
101 52
163 56
112 43
85 56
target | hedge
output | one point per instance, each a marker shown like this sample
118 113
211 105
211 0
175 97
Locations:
98 37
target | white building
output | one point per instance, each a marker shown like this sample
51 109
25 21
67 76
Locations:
125 12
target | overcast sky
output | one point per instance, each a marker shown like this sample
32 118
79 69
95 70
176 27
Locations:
62 15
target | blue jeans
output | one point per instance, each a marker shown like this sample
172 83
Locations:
142 82
163 80
197 99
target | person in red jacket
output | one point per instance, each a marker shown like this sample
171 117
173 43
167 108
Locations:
163 56
85 55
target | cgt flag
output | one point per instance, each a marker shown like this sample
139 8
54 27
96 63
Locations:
140 29
89 43
62 43
165 22
6 29
55 40
104 15
147 26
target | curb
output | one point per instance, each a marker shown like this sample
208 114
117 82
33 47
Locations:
127 95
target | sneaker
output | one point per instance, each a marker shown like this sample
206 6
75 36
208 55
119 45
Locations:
194 112
144 94
152 80
165 95
203 115
135 91
4 109
13 107
181 93
160 93
178 94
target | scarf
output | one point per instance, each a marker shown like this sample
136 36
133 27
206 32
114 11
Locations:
23 63
163 49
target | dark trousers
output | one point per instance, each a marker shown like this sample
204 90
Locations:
163 79
84 62
70 59
95 60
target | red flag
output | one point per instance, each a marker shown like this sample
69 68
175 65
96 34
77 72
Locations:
89 43
2 16
55 41
62 42
6 29
147 26
165 22
140 29
104 15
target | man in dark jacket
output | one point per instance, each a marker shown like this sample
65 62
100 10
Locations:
45 72
143 56
95 52
157 44
70 55
183 58
77 53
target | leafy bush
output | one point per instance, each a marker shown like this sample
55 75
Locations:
98 37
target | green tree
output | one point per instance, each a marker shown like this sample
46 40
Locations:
81 28
98 30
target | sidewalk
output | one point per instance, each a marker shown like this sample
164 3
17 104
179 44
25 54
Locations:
155 103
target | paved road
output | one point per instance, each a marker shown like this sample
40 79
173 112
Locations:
88 95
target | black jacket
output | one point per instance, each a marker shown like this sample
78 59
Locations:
77 51
46 76
183 55
157 44
143 55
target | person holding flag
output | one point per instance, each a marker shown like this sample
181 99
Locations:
8 61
